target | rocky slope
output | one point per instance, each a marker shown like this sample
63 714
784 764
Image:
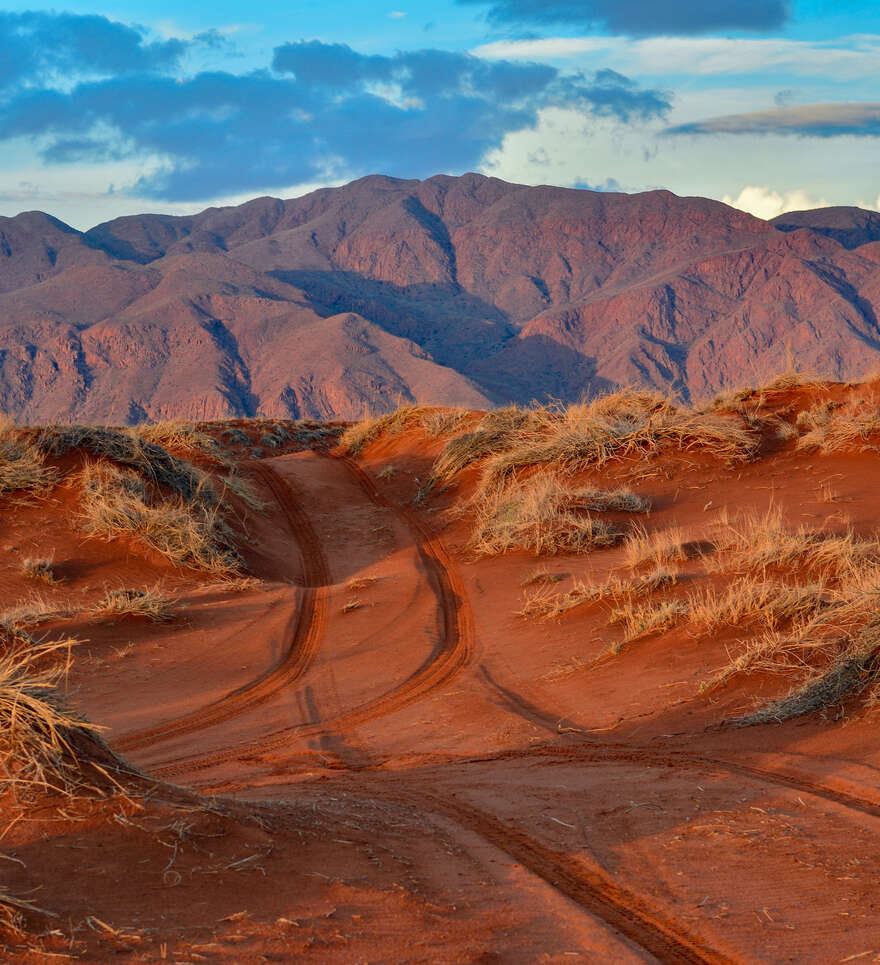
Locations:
461 290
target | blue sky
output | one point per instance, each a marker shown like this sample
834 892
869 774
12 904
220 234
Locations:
111 108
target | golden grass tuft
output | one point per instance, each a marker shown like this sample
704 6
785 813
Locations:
540 515
832 426
117 502
663 546
23 466
542 603
39 737
127 447
359 435
764 541
644 620
125 601
40 568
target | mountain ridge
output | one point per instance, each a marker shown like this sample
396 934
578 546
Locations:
453 291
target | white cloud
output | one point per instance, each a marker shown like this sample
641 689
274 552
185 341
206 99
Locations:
396 14
766 203
844 58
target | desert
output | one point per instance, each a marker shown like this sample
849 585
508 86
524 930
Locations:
364 691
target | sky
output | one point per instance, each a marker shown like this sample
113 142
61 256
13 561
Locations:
112 108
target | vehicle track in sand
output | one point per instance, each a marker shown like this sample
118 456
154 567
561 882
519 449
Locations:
585 883
454 649
305 631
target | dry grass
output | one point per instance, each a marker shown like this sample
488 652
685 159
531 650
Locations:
540 515
445 422
126 447
760 542
644 620
23 466
28 613
832 426
497 432
748 600
622 424
117 502
40 568
38 736
542 603
244 490
359 435
664 546
148 602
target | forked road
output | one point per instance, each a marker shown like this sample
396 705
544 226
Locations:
304 634
624 910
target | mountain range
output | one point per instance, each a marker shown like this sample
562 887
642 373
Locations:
454 290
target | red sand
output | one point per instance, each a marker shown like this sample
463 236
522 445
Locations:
411 772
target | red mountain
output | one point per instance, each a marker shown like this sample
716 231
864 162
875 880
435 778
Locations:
461 290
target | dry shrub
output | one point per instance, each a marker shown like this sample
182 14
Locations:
540 515
550 605
127 448
178 435
831 426
43 569
664 546
117 502
764 541
359 435
498 431
22 464
149 602
38 736
756 601
647 619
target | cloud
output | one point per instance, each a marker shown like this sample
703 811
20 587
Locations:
766 203
325 111
642 17
41 46
859 119
846 58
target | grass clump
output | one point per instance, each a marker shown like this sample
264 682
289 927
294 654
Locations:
40 568
644 620
764 541
359 435
118 502
149 603
131 448
540 515
832 426
22 464
664 546
551 605
39 738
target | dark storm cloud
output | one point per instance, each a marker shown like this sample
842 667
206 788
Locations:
641 17
35 46
860 119
325 110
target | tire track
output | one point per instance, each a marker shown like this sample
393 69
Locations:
454 650
587 885
305 631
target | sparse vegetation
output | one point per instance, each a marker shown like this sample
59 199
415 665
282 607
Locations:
148 602
189 532
39 568
666 546
23 466
38 736
832 426
543 516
